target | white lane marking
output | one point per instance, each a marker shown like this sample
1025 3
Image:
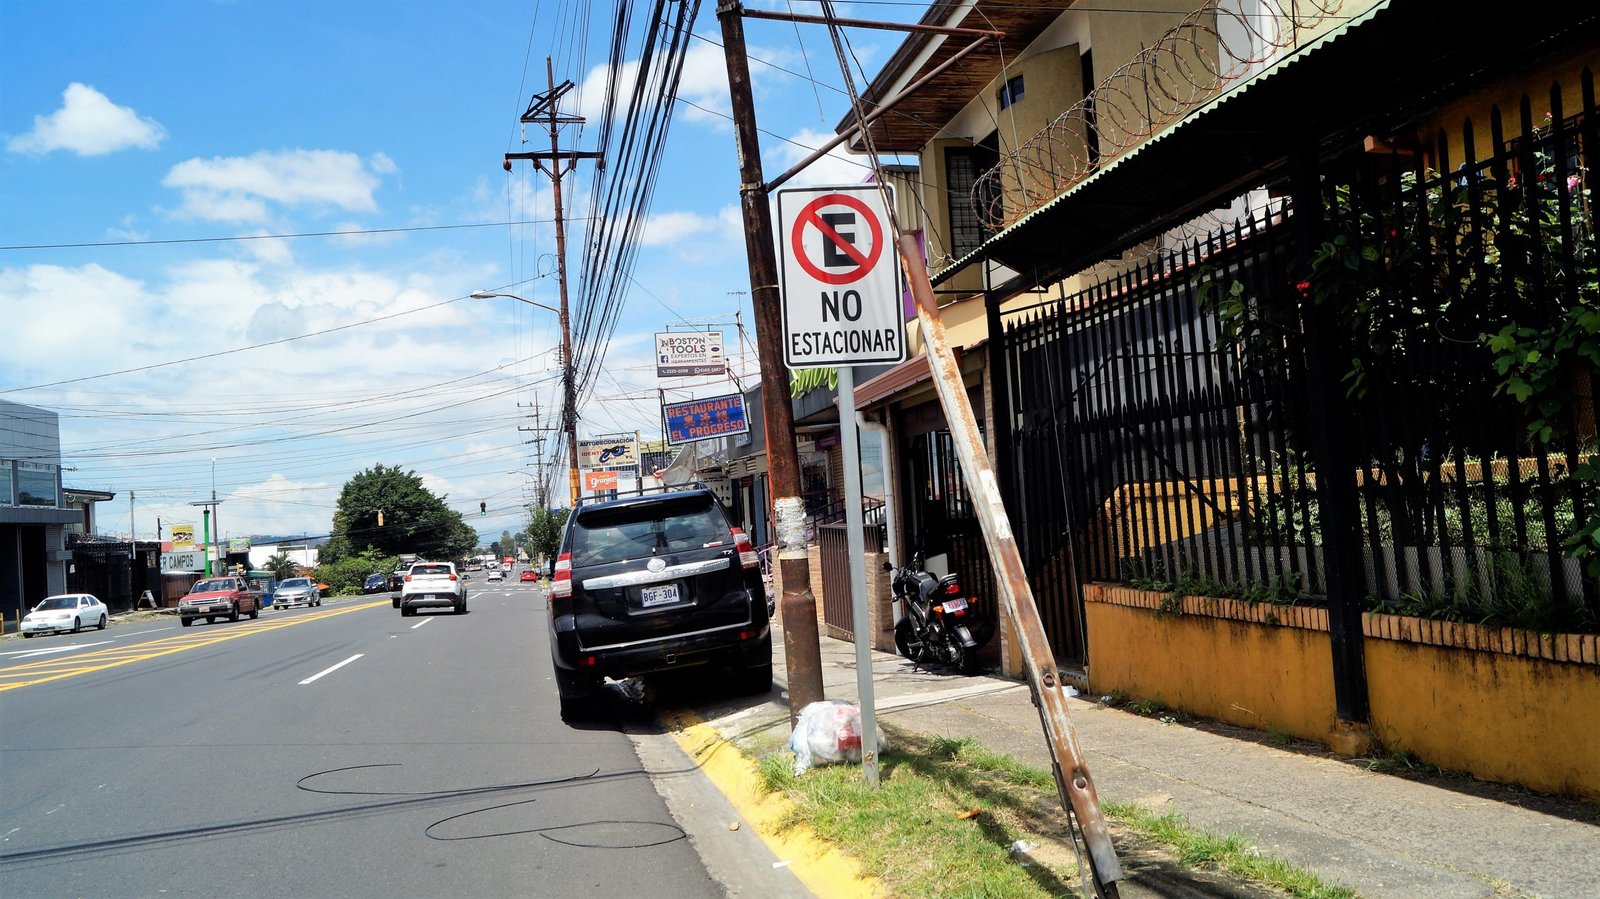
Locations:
30 653
141 633
421 623
313 677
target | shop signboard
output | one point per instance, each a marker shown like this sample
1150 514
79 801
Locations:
717 416
687 354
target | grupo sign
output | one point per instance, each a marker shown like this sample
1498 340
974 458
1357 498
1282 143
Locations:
716 416
840 278
192 560
608 453
687 354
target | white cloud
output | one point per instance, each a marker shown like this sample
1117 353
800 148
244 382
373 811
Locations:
270 251
88 124
102 307
671 227
838 167
238 189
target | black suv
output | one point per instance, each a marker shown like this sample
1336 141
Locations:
655 582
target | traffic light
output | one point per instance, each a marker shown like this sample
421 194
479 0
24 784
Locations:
483 508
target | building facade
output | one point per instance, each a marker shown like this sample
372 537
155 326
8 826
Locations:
34 515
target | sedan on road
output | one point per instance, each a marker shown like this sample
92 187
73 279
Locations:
297 591
528 576
68 612
376 583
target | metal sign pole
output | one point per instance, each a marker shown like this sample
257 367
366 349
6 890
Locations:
857 545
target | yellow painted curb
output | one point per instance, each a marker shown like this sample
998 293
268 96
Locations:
824 870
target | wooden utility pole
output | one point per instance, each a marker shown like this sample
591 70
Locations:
802 652
542 110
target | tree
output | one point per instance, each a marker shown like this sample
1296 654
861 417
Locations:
414 519
282 566
544 532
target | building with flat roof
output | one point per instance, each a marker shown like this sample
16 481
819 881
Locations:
34 514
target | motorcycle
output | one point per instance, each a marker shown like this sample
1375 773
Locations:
939 621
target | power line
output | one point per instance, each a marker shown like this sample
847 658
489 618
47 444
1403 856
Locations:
284 236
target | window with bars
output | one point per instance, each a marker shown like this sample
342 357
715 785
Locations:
962 168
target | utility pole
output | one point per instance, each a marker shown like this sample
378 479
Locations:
537 440
132 548
802 651
542 109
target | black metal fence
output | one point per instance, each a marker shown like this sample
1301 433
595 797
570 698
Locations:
1163 418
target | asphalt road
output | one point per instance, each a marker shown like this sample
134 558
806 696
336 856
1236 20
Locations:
343 751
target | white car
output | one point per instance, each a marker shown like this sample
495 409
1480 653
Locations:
67 612
496 574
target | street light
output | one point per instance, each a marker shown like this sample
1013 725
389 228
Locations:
485 295
569 392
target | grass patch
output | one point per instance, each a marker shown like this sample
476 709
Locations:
909 835
1234 854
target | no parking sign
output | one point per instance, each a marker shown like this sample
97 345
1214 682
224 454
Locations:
840 278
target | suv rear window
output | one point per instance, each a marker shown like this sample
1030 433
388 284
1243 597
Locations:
430 569
637 530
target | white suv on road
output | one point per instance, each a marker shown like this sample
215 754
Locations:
433 585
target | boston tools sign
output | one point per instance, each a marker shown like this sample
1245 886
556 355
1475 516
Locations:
687 354
705 419
840 279
608 453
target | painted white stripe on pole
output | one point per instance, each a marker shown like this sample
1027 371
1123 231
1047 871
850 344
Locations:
313 677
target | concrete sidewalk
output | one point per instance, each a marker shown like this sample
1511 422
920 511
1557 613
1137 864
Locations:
1383 835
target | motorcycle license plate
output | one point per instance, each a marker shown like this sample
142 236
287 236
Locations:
954 605
658 596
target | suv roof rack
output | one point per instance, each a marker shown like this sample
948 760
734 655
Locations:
643 491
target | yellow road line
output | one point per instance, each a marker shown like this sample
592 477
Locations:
58 668
825 870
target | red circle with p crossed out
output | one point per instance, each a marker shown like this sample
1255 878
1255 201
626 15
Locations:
810 217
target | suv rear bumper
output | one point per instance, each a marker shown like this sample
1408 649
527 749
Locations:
431 601
663 654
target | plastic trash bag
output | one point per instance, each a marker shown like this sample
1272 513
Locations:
828 733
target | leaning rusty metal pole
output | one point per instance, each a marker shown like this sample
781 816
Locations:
802 652
1072 771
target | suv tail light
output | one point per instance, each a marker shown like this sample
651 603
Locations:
561 587
454 578
952 589
746 549
408 578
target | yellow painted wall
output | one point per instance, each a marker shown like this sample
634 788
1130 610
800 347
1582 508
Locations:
1508 96
1500 717
1268 678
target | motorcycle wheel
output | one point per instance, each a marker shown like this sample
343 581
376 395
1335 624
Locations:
904 641
963 659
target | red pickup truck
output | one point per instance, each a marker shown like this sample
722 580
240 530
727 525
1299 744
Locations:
219 597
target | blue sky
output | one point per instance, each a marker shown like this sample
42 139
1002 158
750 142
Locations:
160 127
